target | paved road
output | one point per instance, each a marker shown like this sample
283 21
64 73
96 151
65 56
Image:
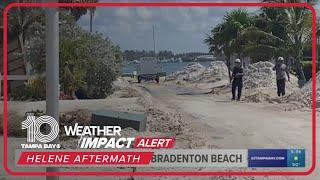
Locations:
237 124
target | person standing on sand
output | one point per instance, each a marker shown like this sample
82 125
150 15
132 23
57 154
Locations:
281 72
237 75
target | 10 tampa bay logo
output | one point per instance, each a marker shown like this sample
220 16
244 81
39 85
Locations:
37 139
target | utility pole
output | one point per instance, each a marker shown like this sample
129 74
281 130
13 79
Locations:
91 18
52 71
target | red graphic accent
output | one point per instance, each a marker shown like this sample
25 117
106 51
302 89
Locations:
157 173
85 158
153 143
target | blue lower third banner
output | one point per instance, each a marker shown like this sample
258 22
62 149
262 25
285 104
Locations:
276 158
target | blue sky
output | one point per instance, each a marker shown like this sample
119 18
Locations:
180 29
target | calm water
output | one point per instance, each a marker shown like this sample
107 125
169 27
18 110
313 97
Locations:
169 68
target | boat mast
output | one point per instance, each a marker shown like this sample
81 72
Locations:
154 41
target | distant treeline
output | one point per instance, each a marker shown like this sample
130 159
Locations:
130 55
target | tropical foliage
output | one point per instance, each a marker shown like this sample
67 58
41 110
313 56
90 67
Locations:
263 36
84 57
226 37
20 22
79 11
87 60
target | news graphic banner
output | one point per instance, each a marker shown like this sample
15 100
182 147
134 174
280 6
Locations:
104 145
276 158
154 158
165 158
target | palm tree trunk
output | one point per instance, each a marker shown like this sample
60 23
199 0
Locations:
229 67
299 69
22 51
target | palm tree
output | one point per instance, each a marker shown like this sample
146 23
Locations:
19 22
260 45
21 19
298 33
267 38
79 11
272 20
224 38
219 44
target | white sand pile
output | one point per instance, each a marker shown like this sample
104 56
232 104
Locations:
302 98
259 96
217 71
259 84
191 71
122 89
160 121
261 75
196 73
164 122
120 83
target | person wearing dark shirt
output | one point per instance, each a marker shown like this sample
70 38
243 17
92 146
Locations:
237 75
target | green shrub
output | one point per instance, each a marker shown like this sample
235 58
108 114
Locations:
34 89
14 125
307 69
88 61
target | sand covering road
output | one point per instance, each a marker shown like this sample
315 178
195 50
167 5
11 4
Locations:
161 122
